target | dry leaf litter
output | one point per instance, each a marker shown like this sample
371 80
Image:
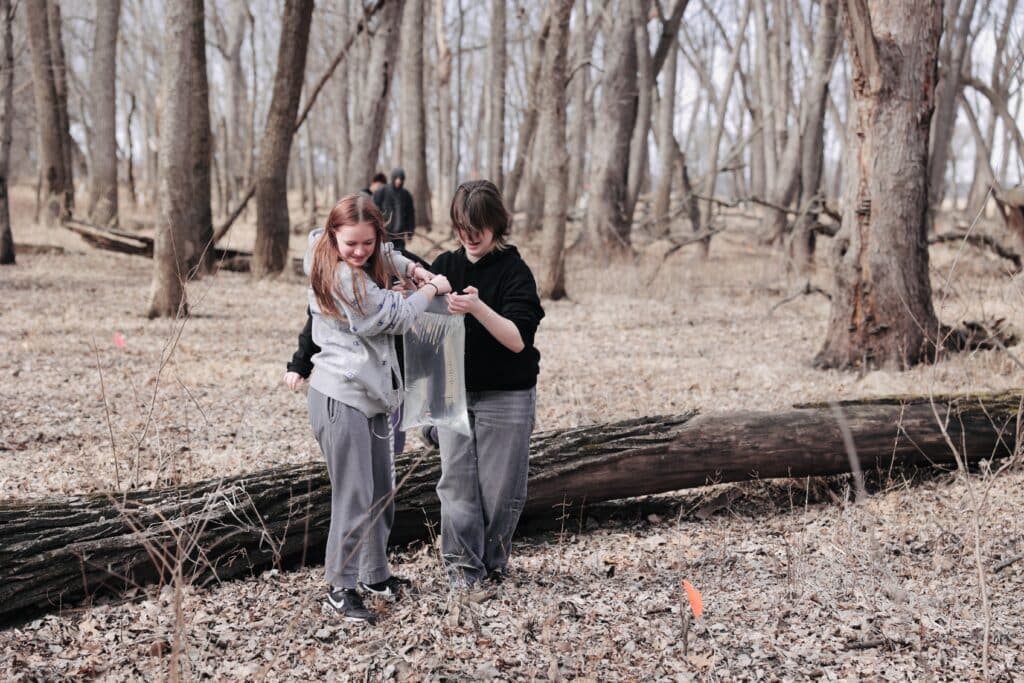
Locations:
884 589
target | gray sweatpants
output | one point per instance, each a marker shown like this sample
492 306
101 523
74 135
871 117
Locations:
483 482
362 473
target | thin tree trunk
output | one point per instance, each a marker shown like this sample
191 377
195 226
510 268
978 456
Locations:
444 112
343 184
102 100
958 38
812 143
129 156
882 314
636 175
556 161
369 131
60 80
606 228
529 125
496 94
580 77
7 255
270 254
52 170
413 153
667 146
719 129
238 103
175 246
201 140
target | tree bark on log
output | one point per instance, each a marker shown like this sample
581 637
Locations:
60 551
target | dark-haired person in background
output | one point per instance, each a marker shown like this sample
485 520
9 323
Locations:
395 202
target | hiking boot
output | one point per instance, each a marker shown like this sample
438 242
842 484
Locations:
390 588
348 603
495 577
429 435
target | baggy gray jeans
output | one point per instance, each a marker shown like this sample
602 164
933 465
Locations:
358 453
483 482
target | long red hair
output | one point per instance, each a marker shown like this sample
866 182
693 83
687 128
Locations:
353 209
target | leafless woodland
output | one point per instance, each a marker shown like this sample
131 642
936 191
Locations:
728 206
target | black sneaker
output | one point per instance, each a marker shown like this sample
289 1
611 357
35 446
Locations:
391 588
348 603
495 576
429 435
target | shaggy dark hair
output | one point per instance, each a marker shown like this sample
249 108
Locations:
477 204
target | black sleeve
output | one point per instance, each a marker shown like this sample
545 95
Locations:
521 304
384 198
302 359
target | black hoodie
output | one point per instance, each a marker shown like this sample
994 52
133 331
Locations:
504 283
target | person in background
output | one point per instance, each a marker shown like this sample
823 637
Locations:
396 203
378 181
354 386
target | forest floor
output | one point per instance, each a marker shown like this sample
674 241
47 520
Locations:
902 586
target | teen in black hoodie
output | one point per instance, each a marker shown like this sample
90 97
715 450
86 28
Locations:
483 476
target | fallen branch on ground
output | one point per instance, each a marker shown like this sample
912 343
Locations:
57 552
982 241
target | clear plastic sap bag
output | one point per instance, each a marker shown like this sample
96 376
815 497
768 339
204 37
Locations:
435 376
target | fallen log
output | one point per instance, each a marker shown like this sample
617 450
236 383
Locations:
138 244
57 552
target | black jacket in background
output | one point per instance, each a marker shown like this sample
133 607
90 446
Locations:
397 206
504 283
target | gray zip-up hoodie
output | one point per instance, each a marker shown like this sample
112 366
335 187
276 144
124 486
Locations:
357 364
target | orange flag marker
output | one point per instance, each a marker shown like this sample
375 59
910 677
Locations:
696 602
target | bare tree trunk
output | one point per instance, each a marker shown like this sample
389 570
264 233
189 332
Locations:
958 36
637 173
52 169
719 129
129 157
444 113
580 77
689 198
413 152
496 94
882 314
556 161
201 140
368 133
270 254
174 246
343 185
7 256
529 125
230 39
60 80
310 170
606 229
668 149
812 132
102 100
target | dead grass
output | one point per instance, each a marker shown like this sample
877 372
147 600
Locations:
798 593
